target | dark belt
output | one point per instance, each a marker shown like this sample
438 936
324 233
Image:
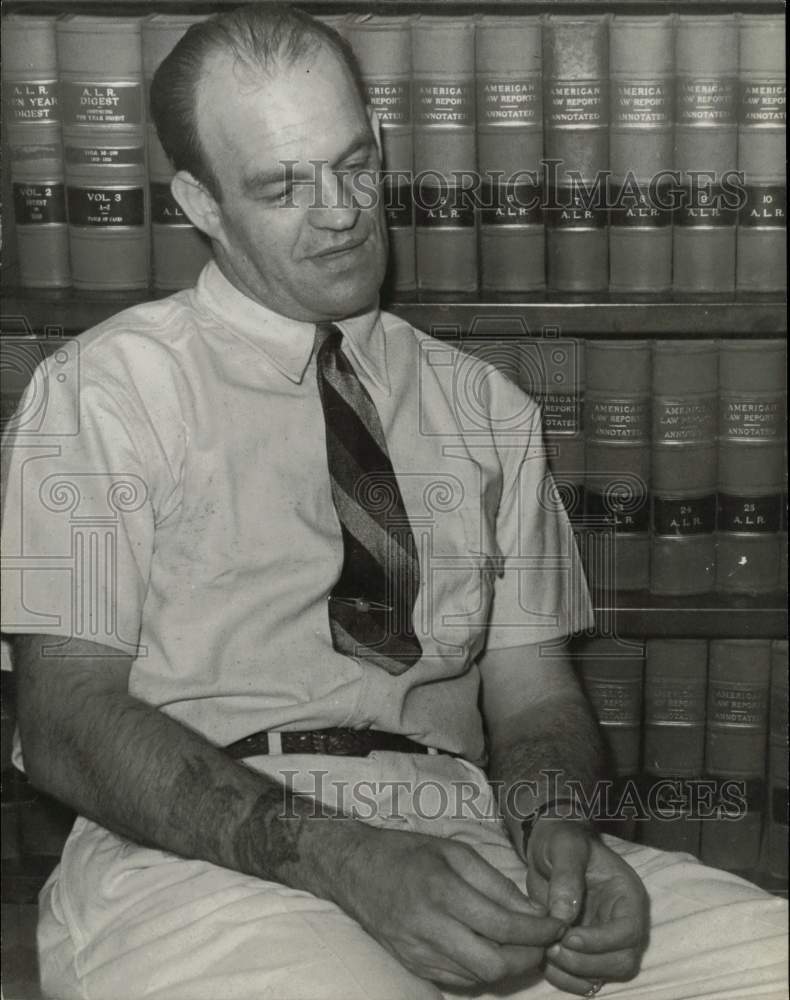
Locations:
336 742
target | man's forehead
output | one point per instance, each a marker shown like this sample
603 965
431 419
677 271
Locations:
292 108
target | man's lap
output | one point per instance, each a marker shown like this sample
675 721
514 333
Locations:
121 922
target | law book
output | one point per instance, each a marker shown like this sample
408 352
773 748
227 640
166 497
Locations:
101 81
684 466
762 220
641 90
773 860
735 749
34 152
617 463
576 145
611 671
443 61
178 250
752 405
673 756
552 371
382 44
509 153
706 153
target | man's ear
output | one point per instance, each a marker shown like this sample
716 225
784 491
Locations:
375 127
197 204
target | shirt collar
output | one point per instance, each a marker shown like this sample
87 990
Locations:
288 343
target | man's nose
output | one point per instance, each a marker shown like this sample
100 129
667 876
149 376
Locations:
334 206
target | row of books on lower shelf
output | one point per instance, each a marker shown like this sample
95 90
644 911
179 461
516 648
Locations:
670 456
697 738
575 153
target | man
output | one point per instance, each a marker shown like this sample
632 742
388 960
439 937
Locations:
264 575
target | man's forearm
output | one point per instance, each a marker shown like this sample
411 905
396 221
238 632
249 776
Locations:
545 749
143 775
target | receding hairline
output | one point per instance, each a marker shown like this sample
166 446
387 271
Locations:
244 67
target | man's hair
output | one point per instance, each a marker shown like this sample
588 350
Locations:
259 36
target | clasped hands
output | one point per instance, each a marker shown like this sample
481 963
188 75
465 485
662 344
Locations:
449 916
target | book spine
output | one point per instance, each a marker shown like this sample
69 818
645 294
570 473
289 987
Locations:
31 117
576 124
612 673
104 150
443 58
552 371
683 497
674 742
509 154
178 250
752 398
735 743
706 147
762 108
617 477
641 89
774 851
383 47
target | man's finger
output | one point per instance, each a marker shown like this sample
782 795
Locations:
485 960
489 881
496 922
568 852
566 982
622 964
622 932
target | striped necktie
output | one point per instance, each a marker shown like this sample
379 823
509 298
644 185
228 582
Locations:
372 604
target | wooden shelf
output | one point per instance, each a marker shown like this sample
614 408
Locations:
704 617
73 312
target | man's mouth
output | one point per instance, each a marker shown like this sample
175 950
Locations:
340 249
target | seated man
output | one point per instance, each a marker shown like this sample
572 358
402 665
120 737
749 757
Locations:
274 576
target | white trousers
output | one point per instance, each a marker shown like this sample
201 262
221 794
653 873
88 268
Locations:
122 922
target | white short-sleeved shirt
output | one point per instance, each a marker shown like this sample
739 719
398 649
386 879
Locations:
167 494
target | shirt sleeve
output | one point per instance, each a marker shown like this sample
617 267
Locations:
78 523
541 593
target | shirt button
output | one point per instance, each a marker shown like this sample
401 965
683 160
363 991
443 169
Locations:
362 606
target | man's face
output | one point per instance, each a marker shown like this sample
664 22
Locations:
302 249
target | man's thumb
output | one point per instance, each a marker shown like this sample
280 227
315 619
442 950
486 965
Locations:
568 852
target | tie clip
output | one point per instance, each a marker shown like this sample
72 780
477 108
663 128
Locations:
361 603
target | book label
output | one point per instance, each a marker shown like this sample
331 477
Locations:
705 206
578 102
510 102
443 104
104 156
613 419
737 703
763 103
765 207
672 699
511 204
707 102
33 151
165 210
617 701
30 102
751 419
684 419
99 206
39 204
398 203
753 515
674 516
622 507
391 101
444 207
638 103
571 208
97 104
636 210
561 412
